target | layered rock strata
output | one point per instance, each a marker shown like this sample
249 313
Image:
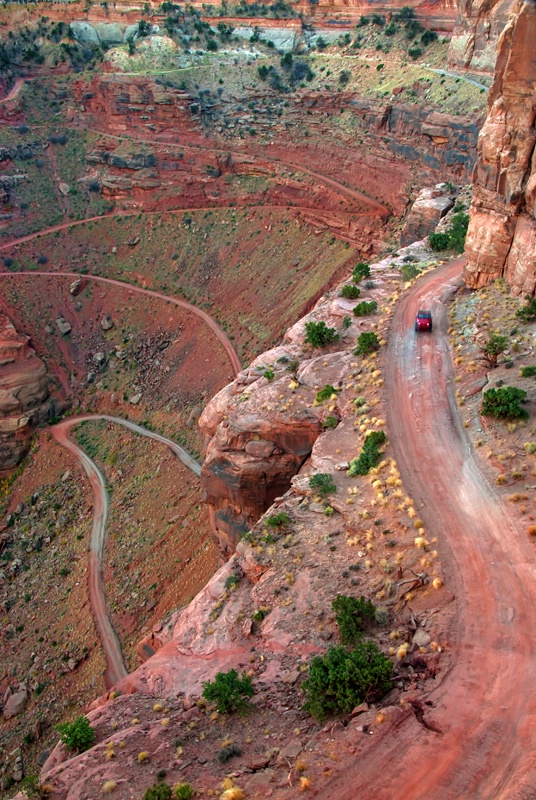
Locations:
25 398
501 240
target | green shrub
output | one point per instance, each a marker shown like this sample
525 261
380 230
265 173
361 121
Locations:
364 308
340 680
458 231
269 374
322 484
528 372
232 581
428 37
369 455
346 322
352 616
77 735
228 691
410 271
439 241
415 52
350 292
367 342
184 791
503 403
159 791
493 348
360 271
325 393
317 334
278 520
330 422
527 313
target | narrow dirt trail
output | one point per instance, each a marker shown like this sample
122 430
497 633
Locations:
485 704
207 319
115 666
62 226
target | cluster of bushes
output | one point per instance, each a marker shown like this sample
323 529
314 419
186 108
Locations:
367 342
528 312
454 238
402 20
504 403
322 483
364 308
342 678
294 72
369 455
228 691
318 334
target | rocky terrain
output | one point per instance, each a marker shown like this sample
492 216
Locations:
28 395
184 185
501 239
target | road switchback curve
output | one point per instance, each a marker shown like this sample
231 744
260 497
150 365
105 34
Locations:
115 665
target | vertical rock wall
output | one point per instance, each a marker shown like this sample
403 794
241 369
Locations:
501 240
476 34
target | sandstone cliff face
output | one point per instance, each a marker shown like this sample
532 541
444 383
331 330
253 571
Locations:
501 240
24 394
476 34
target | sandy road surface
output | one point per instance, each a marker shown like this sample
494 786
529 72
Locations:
207 319
115 669
484 706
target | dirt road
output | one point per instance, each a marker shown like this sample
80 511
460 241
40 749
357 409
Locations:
115 669
207 319
485 704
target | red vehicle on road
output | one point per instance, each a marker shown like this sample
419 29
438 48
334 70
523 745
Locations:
423 320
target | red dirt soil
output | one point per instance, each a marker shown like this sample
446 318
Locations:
214 327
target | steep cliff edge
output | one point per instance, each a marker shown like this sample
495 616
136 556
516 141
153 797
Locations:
501 240
268 609
25 398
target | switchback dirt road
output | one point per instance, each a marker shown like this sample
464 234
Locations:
207 319
484 707
115 666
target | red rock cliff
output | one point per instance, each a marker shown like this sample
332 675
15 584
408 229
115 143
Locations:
501 240
24 394
476 34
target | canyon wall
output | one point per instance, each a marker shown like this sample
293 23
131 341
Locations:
476 34
501 240
25 398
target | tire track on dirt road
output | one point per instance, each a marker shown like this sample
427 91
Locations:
483 704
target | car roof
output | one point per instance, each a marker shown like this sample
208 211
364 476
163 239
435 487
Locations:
423 313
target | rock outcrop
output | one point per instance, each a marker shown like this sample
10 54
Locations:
501 240
430 206
476 34
25 398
